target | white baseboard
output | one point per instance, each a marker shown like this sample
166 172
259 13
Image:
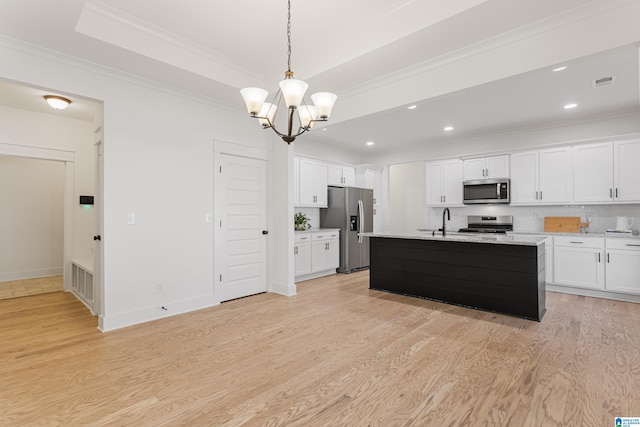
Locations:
287 290
30 274
593 293
121 320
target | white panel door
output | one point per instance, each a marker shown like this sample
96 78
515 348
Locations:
241 218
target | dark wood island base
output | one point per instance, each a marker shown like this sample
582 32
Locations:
503 278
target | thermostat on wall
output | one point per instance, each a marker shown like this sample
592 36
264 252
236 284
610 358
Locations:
86 200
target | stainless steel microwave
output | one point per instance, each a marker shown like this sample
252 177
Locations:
486 191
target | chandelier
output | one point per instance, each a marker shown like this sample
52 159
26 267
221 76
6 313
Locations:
292 90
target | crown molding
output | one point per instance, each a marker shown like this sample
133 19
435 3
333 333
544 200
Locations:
57 57
111 25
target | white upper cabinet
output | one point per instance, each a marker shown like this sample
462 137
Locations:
486 167
369 177
341 176
444 183
524 178
593 174
313 183
541 177
608 172
626 170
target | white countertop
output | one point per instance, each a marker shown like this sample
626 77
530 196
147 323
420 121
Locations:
317 230
502 239
547 233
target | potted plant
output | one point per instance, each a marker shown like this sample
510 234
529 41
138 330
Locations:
301 222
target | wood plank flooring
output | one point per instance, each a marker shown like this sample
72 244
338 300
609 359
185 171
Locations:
34 286
336 354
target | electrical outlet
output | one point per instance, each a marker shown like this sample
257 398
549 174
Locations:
159 288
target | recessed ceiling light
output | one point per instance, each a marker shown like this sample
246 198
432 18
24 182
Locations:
564 67
369 143
448 128
569 106
412 107
324 129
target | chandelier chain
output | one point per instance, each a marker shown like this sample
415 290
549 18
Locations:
289 35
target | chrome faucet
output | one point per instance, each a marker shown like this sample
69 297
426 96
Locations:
444 225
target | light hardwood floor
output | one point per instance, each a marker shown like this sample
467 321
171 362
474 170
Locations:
337 354
26 287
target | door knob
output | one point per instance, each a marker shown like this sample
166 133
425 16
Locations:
265 231
97 237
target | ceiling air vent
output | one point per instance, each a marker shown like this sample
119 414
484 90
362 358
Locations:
604 81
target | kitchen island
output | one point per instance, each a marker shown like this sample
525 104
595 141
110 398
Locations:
499 273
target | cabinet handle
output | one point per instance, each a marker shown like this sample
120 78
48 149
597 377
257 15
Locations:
444 198
536 195
295 250
630 244
326 246
577 242
616 193
608 261
611 193
598 256
540 195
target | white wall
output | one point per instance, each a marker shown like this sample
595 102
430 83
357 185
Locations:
31 217
406 197
158 164
27 128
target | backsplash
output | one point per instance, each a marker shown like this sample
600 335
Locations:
312 213
531 218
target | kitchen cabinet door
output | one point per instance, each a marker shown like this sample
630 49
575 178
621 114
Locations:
555 176
593 173
623 271
581 267
341 176
497 167
486 167
433 174
333 254
313 183
452 182
302 258
474 168
579 261
627 171
318 256
524 178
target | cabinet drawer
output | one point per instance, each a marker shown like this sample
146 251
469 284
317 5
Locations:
627 244
302 237
579 241
325 235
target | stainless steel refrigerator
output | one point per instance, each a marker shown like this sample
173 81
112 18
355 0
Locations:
351 210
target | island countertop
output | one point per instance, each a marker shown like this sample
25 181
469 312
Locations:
502 239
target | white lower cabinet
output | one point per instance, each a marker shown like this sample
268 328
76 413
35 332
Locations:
325 251
316 254
623 265
302 254
579 261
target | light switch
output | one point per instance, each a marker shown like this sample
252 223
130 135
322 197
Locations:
131 218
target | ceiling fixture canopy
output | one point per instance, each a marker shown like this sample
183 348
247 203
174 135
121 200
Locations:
292 90
57 102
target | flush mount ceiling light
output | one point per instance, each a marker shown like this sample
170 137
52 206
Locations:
448 128
370 143
412 107
57 102
292 90
570 106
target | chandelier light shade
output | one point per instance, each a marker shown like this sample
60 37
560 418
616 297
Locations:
57 102
291 91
